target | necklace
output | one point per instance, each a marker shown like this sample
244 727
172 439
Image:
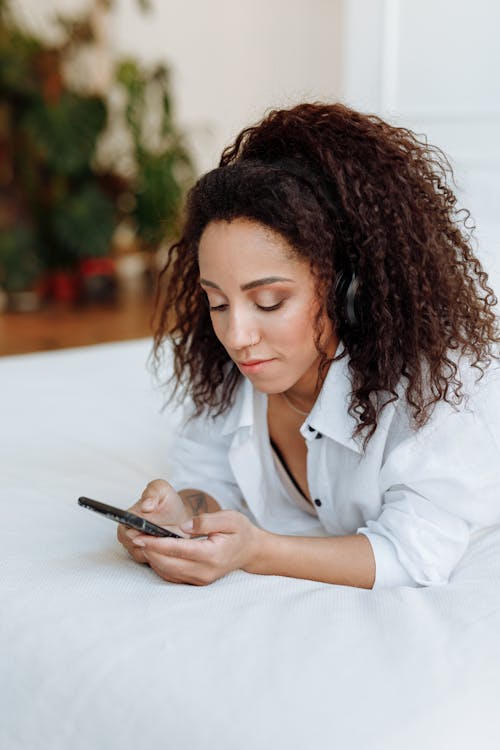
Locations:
298 411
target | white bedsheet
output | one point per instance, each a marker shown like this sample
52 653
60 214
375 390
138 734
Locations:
98 652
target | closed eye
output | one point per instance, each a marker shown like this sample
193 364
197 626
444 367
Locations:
273 307
220 308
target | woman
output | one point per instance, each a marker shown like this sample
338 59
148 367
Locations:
333 329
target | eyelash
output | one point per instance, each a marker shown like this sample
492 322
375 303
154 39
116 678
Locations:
220 308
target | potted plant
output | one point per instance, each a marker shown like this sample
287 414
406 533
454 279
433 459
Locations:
60 201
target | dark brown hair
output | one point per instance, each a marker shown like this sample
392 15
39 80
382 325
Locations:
350 193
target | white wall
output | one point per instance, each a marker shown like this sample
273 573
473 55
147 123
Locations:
434 66
231 60
234 59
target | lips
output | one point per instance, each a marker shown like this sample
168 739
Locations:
254 365
253 362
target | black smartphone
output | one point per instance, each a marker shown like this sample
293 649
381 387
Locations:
127 519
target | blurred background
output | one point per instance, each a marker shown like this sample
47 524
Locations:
110 109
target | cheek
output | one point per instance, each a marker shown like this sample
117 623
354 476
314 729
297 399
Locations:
295 327
217 326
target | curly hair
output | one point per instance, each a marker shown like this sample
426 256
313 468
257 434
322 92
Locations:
351 194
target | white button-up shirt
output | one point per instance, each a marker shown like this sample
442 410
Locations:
418 495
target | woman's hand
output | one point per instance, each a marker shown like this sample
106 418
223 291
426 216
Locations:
233 542
160 504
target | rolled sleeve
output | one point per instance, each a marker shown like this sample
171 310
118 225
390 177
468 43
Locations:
414 542
438 487
389 571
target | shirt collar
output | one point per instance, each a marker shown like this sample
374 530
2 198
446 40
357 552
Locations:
241 414
329 415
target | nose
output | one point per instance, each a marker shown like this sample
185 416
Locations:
241 330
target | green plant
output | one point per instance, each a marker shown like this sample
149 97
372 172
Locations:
19 264
57 204
163 163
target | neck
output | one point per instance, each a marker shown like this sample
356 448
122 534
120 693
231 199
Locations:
302 400
304 393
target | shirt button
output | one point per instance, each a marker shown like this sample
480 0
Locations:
317 502
311 429
318 435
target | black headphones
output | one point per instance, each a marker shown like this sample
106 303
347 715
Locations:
347 283
347 302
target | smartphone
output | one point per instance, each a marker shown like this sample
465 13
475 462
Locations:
127 519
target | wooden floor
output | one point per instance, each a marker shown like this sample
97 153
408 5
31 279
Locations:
60 326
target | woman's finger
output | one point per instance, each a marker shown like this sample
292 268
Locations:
121 533
223 521
127 541
155 487
177 570
136 553
154 494
131 533
161 572
194 550
125 534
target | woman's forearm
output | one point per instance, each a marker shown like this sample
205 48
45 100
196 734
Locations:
197 502
344 560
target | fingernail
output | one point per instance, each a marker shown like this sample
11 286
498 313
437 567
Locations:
148 504
138 542
187 526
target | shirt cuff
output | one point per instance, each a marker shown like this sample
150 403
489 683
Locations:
389 572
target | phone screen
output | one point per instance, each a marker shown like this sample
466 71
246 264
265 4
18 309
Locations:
126 518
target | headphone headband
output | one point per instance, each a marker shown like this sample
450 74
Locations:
302 171
347 283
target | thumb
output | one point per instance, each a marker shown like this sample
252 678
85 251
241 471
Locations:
211 523
154 495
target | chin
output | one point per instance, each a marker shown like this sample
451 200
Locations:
273 388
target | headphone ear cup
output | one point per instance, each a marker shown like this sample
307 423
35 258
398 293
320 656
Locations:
350 302
346 288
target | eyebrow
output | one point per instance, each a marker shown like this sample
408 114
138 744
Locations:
250 284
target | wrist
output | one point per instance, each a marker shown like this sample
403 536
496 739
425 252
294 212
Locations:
260 551
185 515
197 502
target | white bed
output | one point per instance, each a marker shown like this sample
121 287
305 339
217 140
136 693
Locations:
98 652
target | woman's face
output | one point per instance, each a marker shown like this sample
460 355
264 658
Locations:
263 303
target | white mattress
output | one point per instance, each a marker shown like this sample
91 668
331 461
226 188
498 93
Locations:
98 652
